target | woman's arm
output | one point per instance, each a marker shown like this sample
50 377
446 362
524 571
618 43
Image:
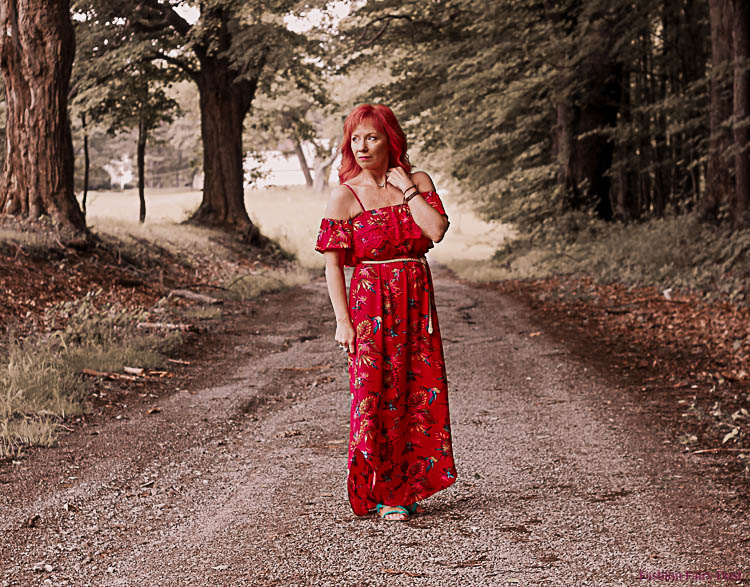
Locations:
337 292
339 207
432 222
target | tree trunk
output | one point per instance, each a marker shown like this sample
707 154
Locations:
625 188
322 167
564 133
86 163
302 161
141 163
583 161
719 182
224 102
741 38
36 55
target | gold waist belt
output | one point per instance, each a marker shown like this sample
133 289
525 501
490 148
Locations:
429 293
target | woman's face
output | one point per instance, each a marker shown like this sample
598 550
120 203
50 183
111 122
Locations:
370 146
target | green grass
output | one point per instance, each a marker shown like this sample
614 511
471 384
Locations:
678 252
252 285
40 377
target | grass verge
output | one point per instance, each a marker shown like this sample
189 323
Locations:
40 375
678 252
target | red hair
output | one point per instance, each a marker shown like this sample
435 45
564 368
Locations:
385 121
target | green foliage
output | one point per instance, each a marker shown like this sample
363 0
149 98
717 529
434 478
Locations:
473 81
480 87
677 251
40 377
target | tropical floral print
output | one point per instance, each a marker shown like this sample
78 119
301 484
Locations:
400 440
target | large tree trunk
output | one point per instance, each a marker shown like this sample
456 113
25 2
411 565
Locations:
141 163
741 38
224 102
719 182
37 46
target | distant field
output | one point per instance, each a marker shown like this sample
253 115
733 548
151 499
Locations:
290 215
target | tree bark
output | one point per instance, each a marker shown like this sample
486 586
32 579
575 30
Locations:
583 161
141 163
86 163
322 167
36 55
302 162
224 102
719 181
741 130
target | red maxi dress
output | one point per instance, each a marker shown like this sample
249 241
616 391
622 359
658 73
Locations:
400 439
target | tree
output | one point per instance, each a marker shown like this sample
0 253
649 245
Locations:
550 105
741 126
588 104
135 98
719 184
293 118
234 49
38 169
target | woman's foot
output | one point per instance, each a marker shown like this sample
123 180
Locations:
393 512
415 508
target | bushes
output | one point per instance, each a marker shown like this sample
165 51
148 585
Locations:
678 252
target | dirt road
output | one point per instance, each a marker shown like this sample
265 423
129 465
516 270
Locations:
562 479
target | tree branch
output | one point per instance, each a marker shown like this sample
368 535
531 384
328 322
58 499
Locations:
388 18
152 17
176 61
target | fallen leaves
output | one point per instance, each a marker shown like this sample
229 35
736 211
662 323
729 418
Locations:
666 342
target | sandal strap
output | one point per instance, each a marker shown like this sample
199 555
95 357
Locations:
397 509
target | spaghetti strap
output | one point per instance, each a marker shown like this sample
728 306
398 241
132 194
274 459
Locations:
356 196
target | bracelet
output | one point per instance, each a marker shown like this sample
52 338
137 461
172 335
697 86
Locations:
412 195
411 186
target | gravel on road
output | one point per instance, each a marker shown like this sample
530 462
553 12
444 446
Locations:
563 478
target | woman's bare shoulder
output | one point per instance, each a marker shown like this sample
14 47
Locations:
340 203
423 181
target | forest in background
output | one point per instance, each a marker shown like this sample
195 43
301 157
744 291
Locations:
568 119
612 136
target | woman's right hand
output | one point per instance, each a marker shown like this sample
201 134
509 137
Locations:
345 334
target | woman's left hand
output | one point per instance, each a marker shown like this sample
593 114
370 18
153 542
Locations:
397 177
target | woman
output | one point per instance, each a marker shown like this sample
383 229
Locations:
382 219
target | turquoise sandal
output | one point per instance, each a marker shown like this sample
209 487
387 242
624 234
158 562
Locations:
397 509
412 509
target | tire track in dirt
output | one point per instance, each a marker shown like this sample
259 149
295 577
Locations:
561 481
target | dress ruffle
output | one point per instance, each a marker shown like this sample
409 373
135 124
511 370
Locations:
381 233
434 200
334 234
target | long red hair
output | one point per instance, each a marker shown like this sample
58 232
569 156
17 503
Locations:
385 121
